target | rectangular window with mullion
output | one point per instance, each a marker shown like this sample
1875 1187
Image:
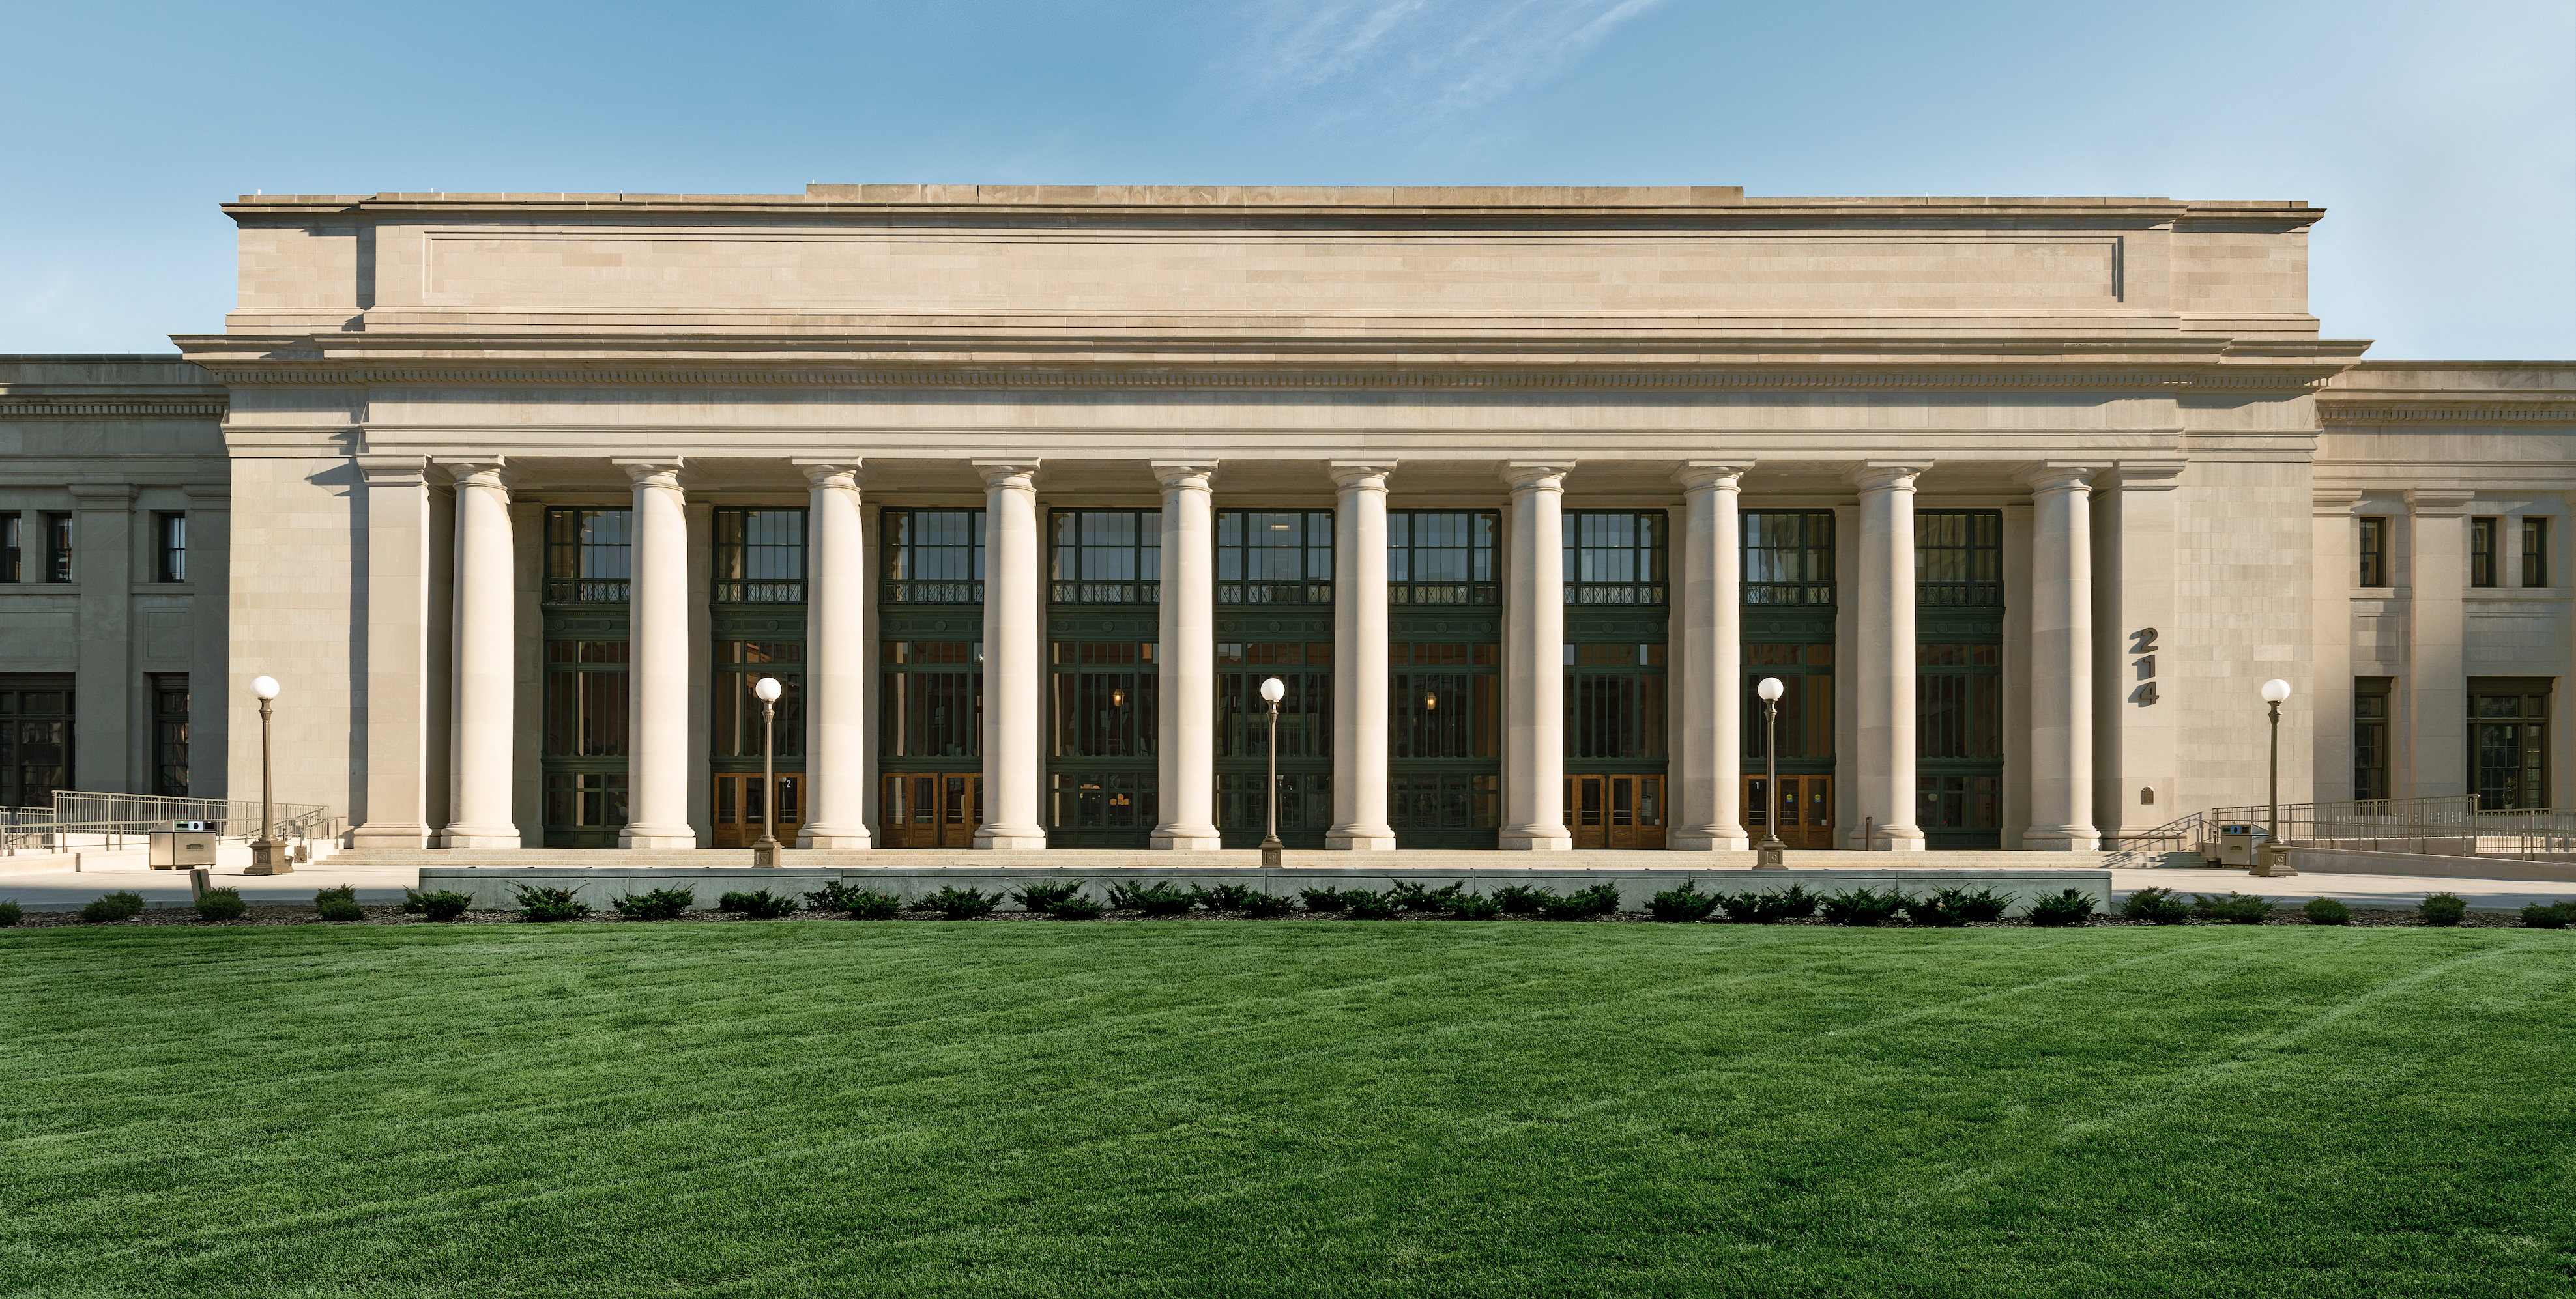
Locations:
1441 557
2535 552
1788 557
933 701
1806 721
170 734
2482 550
760 557
1615 707
585 699
170 547
2371 719
2371 540
58 547
1959 558
736 728
1616 557
934 556
1958 702
590 555
1274 557
11 566
1106 557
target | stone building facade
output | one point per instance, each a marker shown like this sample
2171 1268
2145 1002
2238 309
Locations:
1022 491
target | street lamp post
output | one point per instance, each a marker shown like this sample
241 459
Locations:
2274 859
265 859
1771 854
1273 690
765 852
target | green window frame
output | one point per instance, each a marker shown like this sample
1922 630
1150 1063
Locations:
2535 552
734 727
932 701
1442 557
760 556
170 734
1110 557
2372 544
1243 741
1274 557
1617 557
1616 703
2509 742
590 555
933 556
2371 720
2482 549
1959 558
36 732
1806 672
1787 557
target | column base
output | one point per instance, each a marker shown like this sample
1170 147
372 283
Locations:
2061 838
388 834
1185 838
838 838
1539 838
1359 838
480 837
657 837
1710 839
1009 838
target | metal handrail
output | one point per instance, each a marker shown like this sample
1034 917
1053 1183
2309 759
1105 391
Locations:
81 814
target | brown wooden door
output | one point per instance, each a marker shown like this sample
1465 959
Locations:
738 803
1615 811
931 809
1806 810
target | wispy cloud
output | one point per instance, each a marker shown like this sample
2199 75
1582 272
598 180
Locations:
1430 57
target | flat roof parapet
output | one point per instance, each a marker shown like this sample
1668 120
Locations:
1558 198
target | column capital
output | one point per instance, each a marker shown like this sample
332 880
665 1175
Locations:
209 496
480 471
1362 475
1886 475
663 472
1021 474
2334 502
1530 475
103 496
2059 475
393 470
1701 475
832 473
1184 475
2438 502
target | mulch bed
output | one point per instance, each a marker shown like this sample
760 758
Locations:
387 915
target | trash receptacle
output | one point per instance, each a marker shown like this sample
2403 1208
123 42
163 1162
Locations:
185 845
2237 844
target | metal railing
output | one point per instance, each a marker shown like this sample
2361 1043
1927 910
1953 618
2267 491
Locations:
759 590
588 590
93 820
1614 593
934 592
2443 825
1313 593
1444 593
1112 592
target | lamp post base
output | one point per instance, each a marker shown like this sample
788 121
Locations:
764 854
2273 861
1270 850
267 858
1771 855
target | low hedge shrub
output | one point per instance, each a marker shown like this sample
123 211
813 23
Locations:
1361 904
1686 903
1414 897
837 896
1984 905
340 911
2548 915
2327 911
2443 909
2067 908
1223 897
548 906
660 904
1793 903
1266 906
113 907
1323 899
2156 906
11 913
1075 908
1939 909
344 893
1475 907
954 903
1521 899
1582 904
1043 897
1863 907
1161 899
444 905
222 904
2233 909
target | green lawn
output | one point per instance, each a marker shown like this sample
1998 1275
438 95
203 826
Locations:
1220 1107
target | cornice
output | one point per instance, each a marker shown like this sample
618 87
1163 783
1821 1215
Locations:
118 408
2471 411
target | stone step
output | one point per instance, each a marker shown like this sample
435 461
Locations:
917 859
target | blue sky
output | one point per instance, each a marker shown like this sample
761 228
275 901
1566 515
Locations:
2442 136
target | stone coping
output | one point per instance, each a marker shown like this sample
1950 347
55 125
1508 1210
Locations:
1551 197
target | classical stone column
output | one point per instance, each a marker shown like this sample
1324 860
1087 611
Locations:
1185 731
2331 581
396 780
657 781
837 588
486 644
1712 664
2436 729
1534 663
1360 717
1013 656
210 630
2061 664
103 573
1885 689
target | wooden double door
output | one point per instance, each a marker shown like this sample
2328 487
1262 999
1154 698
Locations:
1806 807
741 795
931 809
1615 811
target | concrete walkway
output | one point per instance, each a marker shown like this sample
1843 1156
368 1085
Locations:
379 882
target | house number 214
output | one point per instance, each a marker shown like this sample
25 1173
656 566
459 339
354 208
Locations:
2144 646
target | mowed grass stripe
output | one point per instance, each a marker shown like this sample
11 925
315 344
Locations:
1139 1109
